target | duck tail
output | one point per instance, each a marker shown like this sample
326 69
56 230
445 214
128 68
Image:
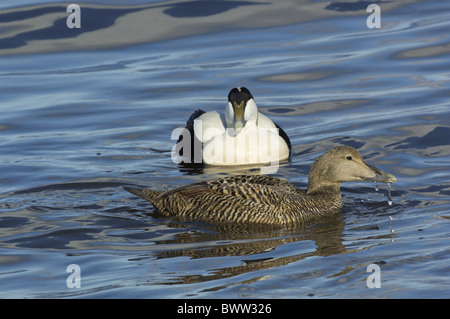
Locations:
146 193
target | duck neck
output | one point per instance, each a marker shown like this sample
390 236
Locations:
323 187
329 194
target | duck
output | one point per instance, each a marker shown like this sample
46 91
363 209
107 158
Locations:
244 136
264 199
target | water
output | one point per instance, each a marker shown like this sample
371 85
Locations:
389 195
86 111
390 201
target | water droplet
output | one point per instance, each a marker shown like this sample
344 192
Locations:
390 201
376 186
390 225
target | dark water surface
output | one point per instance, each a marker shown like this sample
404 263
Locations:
85 111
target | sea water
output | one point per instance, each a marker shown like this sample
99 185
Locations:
87 110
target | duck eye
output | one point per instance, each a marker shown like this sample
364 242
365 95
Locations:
349 158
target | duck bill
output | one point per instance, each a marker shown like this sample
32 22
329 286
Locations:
238 115
380 176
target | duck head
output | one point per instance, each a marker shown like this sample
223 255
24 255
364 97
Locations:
343 164
241 108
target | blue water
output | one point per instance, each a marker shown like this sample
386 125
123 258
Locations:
85 111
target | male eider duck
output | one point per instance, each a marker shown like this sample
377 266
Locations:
246 136
261 199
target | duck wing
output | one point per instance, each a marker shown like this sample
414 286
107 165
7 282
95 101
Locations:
208 125
190 122
256 199
264 121
259 189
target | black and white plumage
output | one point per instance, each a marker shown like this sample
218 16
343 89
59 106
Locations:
243 136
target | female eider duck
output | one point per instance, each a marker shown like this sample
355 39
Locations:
261 199
247 137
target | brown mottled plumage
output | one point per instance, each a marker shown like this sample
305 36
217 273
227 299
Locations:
260 199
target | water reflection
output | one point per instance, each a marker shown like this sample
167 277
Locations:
40 28
119 226
219 241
